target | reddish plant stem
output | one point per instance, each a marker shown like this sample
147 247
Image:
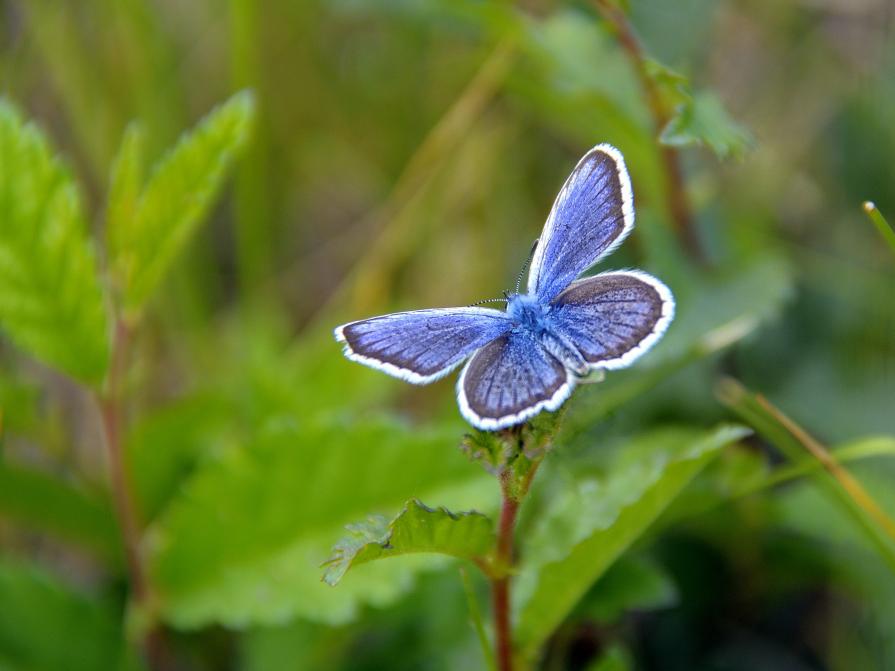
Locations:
500 570
125 510
111 409
500 586
675 189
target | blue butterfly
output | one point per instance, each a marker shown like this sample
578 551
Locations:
530 357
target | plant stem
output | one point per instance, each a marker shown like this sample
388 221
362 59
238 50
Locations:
110 403
513 489
125 510
846 480
500 586
675 192
879 221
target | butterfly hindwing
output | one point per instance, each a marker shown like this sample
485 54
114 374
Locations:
423 345
510 380
614 317
591 216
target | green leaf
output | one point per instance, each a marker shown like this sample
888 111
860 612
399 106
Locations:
47 504
673 87
631 583
124 187
244 541
164 447
46 625
703 121
178 195
416 529
51 303
595 520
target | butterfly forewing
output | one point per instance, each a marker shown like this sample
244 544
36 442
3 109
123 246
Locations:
511 379
423 345
614 317
591 216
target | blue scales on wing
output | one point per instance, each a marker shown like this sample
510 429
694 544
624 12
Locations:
591 216
511 379
423 345
614 317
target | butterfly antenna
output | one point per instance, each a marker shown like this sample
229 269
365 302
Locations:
525 267
487 300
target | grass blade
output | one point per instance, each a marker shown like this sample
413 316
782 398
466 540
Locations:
794 441
878 220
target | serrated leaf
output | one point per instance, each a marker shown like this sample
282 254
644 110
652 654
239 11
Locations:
586 529
703 121
673 87
177 196
244 541
416 529
51 303
124 188
44 624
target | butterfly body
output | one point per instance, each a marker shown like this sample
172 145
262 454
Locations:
530 357
527 313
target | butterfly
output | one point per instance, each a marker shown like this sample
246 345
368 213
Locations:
529 357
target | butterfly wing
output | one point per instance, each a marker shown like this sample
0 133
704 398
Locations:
614 317
510 380
423 345
592 215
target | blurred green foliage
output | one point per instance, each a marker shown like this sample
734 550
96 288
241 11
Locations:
404 154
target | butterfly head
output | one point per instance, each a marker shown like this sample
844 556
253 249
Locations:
526 312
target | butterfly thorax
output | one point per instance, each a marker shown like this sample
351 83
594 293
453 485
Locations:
529 314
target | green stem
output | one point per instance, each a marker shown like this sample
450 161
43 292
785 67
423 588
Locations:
881 224
794 444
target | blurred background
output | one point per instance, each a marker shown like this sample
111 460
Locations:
405 154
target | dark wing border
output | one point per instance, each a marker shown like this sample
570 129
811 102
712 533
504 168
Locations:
403 373
666 315
495 423
627 193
